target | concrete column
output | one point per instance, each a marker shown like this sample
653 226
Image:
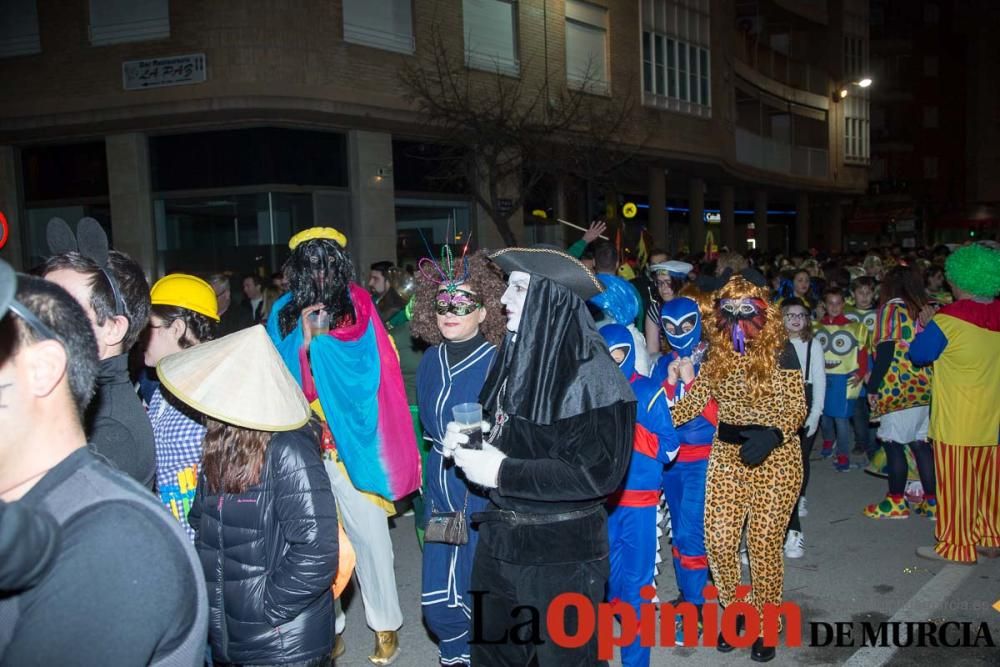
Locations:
802 221
372 234
10 206
727 211
657 224
133 228
760 218
696 215
835 227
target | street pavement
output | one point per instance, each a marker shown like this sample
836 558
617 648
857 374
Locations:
855 569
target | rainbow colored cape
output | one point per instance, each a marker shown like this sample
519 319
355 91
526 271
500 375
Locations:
355 375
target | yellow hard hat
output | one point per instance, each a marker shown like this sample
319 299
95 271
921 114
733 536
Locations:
185 291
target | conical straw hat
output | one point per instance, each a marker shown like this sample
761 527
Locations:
239 379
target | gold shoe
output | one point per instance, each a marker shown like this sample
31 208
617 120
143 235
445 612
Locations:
339 647
386 648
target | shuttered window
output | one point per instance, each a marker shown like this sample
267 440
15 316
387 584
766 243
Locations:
384 24
118 21
19 28
587 45
491 35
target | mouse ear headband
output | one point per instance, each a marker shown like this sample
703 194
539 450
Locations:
91 242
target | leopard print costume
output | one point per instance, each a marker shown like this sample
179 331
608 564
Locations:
734 491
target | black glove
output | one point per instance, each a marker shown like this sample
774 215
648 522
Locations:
758 445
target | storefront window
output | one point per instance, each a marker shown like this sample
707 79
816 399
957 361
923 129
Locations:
239 233
424 225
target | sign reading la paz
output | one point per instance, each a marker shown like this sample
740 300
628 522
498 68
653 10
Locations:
160 72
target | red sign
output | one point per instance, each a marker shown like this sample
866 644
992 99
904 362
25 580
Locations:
4 231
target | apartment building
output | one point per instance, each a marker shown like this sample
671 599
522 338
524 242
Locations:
203 135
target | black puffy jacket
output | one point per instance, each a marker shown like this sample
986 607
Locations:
270 555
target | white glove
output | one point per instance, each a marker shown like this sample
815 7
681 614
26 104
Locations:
812 423
481 466
454 438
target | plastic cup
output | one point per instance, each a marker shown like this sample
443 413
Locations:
470 418
319 321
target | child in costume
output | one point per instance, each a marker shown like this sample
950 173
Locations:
684 479
632 531
962 340
845 352
350 374
863 310
899 393
456 309
755 469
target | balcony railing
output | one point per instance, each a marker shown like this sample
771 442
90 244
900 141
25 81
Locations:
778 66
770 155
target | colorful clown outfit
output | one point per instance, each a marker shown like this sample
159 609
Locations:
352 379
632 530
449 374
755 468
903 395
684 479
963 343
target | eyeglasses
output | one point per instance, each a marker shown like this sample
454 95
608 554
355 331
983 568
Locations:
796 316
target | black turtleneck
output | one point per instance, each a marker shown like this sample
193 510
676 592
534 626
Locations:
458 351
118 428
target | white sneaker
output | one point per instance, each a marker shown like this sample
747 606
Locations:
803 511
793 545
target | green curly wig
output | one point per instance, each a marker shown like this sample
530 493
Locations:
975 269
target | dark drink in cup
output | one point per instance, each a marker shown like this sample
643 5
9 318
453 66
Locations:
475 434
470 421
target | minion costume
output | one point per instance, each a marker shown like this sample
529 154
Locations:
352 379
962 341
845 353
684 479
632 532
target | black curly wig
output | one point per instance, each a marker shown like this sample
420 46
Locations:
318 271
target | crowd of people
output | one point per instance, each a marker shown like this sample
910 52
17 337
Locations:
540 410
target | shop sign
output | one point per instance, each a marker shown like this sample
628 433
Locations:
161 72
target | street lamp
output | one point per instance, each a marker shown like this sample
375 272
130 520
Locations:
843 90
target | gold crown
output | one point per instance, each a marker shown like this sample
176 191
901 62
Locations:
317 233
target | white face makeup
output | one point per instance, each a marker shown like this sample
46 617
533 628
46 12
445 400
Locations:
513 298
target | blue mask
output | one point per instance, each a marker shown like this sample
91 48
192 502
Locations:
676 316
618 300
619 338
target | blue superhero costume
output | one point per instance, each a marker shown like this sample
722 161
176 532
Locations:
684 479
632 509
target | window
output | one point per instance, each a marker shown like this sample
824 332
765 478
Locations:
932 13
491 35
19 28
587 45
930 168
930 65
384 24
676 55
857 142
930 117
117 21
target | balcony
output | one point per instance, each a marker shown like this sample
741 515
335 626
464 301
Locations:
768 62
771 155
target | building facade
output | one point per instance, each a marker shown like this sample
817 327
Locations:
203 135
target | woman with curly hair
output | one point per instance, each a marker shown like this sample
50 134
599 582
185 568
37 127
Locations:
184 313
755 468
457 309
